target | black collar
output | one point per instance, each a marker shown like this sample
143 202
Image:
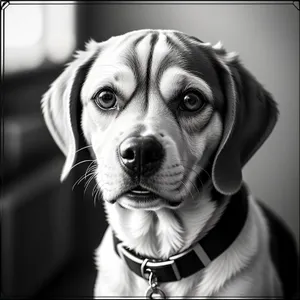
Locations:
197 257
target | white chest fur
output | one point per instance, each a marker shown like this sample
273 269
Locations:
244 269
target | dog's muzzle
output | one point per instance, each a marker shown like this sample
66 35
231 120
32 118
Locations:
141 155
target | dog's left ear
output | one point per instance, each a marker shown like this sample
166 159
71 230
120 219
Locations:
250 116
61 104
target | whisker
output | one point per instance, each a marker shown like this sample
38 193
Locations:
94 189
195 186
187 189
88 182
78 181
189 168
192 169
83 148
202 169
95 201
95 193
88 173
81 178
81 162
179 190
197 175
90 166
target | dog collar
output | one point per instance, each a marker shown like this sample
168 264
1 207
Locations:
197 257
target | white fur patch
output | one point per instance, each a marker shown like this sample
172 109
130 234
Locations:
169 232
175 77
103 75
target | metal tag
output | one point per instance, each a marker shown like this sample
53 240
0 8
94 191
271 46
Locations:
155 293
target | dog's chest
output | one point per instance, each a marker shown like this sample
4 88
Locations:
160 234
115 279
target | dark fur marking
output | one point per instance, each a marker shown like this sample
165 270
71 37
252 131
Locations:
153 41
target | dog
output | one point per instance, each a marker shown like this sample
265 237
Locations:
170 121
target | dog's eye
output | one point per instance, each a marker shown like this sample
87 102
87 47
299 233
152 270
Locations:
106 99
192 102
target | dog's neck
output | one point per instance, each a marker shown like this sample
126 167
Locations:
165 232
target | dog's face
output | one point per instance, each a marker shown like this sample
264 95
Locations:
157 108
151 119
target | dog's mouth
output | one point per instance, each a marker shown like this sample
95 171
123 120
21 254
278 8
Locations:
140 193
143 198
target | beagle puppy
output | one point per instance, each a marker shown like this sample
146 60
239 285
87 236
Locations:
169 122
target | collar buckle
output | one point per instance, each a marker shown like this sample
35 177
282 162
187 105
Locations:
148 266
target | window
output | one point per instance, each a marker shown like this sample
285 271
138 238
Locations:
37 35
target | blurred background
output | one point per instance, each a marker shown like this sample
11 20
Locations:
49 230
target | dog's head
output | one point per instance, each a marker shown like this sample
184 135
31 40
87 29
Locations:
158 108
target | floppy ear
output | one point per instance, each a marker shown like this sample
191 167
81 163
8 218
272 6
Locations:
61 104
250 117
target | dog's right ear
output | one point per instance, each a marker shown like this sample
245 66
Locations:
249 118
60 104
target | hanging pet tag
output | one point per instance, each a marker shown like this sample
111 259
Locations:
153 291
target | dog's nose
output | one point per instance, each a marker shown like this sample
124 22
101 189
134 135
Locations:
141 155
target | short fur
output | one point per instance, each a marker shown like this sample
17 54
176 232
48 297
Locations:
148 68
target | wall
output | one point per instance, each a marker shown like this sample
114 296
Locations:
267 39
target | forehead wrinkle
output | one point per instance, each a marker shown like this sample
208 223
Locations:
181 42
168 61
160 51
179 46
149 64
180 78
121 42
174 43
126 55
169 54
194 48
142 50
122 80
130 60
173 58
